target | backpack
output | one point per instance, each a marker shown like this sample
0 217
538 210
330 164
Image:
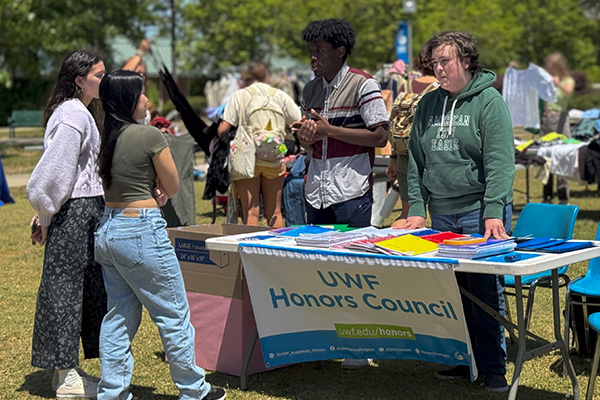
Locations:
401 117
266 124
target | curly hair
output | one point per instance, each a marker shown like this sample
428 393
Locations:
463 42
423 63
337 32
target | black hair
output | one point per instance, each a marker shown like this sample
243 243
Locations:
465 46
120 93
337 32
78 63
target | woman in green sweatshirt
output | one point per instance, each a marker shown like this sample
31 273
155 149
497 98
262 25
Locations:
461 168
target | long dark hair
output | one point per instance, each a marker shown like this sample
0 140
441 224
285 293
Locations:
120 93
78 63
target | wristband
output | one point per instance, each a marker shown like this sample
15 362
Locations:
140 53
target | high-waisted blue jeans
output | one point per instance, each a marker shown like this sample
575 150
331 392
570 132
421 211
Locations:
140 268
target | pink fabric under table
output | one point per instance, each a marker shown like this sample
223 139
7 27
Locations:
224 327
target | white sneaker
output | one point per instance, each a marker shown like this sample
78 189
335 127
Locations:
81 373
354 363
72 385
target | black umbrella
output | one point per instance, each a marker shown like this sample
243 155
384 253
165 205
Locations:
194 124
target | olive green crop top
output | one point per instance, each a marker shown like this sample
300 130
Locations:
133 174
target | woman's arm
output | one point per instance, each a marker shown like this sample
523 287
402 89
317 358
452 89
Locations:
52 181
224 127
166 172
567 86
498 157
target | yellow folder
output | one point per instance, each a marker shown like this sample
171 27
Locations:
408 245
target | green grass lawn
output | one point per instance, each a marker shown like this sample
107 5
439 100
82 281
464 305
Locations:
17 160
24 132
20 270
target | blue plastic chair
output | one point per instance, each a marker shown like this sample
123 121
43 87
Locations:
542 220
594 322
588 287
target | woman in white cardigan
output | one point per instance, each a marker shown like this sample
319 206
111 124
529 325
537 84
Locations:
66 191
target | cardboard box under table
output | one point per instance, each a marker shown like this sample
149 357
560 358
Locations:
220 307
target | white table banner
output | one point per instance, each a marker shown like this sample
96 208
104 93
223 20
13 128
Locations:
320 304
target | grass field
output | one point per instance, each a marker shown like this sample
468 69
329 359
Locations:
20 270
22 132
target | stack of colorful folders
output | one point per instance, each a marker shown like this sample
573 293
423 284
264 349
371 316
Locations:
329 239
552 245
470 247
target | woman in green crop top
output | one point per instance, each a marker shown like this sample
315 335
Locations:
139 265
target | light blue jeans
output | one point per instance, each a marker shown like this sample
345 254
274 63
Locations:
487 334
140 268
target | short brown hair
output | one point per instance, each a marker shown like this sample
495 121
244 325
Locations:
256 71
423 63
463 42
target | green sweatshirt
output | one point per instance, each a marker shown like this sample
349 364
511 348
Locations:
461 154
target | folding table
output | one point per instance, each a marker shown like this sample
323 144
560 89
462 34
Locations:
519 268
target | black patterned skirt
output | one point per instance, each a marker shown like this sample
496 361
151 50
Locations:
71 299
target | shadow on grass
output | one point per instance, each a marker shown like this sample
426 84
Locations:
582 365
388 379
592 215
512 347
38 384
585 194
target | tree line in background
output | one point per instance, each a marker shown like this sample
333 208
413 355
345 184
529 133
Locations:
227 32
36 34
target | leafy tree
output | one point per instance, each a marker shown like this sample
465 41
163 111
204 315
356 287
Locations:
232 32
36 34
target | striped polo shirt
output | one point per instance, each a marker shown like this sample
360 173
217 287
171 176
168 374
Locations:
341 171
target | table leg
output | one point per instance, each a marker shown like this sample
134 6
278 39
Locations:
247 357
562 346
522 334
521 339
527 182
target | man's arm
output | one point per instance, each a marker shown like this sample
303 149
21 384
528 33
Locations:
357 136
306 132
373 113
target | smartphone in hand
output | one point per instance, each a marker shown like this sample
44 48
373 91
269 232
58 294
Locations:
35 228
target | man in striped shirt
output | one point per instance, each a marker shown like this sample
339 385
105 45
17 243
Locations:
344 120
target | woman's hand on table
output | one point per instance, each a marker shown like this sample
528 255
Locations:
412 223
494 227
